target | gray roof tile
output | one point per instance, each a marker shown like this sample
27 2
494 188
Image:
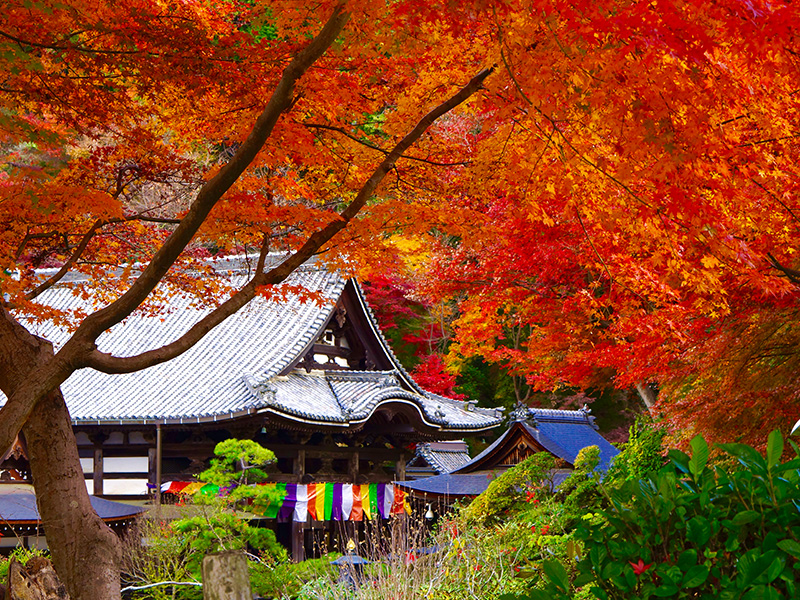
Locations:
235 368
443 460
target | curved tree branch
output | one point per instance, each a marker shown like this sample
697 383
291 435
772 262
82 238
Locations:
79 250
111 364
379 149
214 189
53 372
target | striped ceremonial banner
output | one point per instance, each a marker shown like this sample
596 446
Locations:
336 508
312 500
301 508
321 501
357 513
209 489
328 501
398 501
366 505
173 487
386 500
373 501
278 493
347 500
193 487
380 491
286 512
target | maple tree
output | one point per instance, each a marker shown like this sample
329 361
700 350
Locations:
417 337
622 191
637 208
150 134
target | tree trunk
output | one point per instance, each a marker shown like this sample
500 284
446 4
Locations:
84 550
647 394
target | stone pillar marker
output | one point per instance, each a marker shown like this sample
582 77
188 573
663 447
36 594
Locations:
225 577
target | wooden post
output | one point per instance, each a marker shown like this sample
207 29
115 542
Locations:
299 466
36 581
298 541
400 468
352 468
97 471
158 471
225 577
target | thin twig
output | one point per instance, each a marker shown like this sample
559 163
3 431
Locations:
382 150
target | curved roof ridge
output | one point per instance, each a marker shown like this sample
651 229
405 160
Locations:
399 367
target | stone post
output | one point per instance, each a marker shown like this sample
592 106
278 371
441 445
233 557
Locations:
225 577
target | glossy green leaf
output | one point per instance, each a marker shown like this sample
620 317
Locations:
699 455
774 448
746 516
687 559
698 530
666 591
695 576
557 574
747 455
790 547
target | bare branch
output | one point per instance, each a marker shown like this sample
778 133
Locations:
51 281
792 274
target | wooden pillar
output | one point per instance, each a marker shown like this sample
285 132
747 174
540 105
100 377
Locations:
97 471
158 471
298 541
352 468
151 466
400 468
298 529
299 466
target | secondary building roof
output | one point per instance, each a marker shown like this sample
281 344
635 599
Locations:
18 507
437 458
563 433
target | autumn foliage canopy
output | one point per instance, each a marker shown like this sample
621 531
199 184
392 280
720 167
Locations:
635 208
623 190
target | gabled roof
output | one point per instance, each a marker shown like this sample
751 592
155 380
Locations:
439 457
246 364
563 433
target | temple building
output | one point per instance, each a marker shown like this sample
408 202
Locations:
305 372
562 433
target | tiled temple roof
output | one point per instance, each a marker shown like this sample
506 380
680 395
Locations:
242 366
442 457
18 506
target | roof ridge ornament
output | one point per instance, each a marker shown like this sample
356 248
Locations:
588 414
388 380
522 413
264 390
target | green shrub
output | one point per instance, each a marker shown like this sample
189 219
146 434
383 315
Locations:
579 490
693 530
531 476
643 452
174 551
